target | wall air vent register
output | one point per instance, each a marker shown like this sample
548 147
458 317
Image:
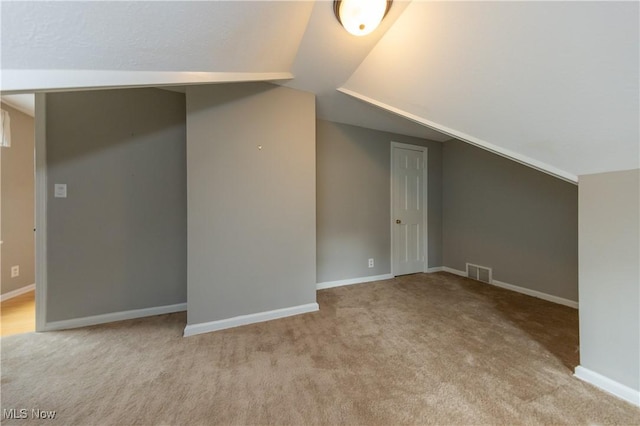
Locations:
480 273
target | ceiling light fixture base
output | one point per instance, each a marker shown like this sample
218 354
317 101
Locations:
361 17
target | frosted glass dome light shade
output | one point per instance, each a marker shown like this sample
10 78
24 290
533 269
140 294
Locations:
361 17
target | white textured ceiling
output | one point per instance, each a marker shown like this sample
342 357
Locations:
554 82
551 84
240 36
328 55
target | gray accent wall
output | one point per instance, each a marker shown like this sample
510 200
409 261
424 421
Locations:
610 275
17 202
353 200
501 214
118 241
252 234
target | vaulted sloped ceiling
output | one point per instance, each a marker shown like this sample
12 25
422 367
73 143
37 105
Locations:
327 57
554 84
94 44
222 36
551 84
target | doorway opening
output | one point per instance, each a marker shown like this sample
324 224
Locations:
17 215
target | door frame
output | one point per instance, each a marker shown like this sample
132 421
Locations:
41 211
425 201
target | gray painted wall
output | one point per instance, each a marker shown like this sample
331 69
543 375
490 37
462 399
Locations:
353 200
17 202
514 219
118 242
252 238
610 275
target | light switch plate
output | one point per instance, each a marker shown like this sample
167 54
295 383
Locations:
60 190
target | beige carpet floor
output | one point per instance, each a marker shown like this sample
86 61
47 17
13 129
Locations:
421 349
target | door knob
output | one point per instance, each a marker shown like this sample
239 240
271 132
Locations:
398 221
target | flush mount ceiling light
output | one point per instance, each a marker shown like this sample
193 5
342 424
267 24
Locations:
360 17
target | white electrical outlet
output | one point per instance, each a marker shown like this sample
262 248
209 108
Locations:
15 271
370 263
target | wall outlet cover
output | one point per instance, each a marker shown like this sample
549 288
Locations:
15 271
60 190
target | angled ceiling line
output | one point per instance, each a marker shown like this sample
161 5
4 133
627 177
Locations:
16 81
506 153
23 103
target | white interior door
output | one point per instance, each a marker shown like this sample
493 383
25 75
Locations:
408 210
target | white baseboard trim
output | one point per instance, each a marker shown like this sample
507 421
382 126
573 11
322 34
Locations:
608 385
17 292
538 294
206 327
523 290
434 269
115 316
454 271
340 283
